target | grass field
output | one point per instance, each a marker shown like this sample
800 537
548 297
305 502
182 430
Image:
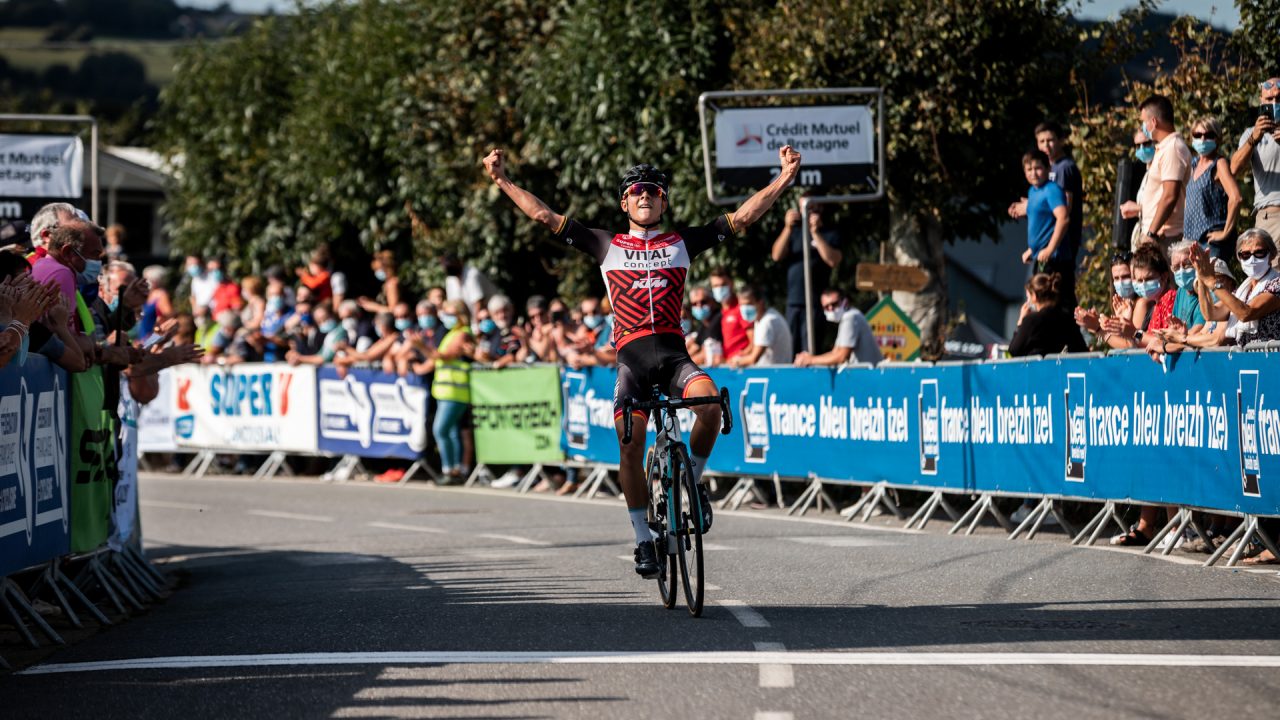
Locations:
25 48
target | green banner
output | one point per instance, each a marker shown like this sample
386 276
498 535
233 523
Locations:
92 462
516 413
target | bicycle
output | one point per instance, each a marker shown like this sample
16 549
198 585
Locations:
671 486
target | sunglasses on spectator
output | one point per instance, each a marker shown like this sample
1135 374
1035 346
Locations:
1204 135
641 188
1269 84
1245 254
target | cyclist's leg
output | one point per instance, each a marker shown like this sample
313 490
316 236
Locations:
688 380
631 461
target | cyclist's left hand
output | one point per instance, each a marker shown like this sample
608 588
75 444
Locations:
790 160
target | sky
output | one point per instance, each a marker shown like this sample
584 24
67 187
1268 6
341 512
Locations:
1225 16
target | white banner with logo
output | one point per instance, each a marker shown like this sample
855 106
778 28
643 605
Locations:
49 166
155 421
256 407
826 135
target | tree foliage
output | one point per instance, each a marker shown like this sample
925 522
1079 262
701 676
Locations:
1208 78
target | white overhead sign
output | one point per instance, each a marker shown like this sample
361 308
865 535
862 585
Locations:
44 166
823 135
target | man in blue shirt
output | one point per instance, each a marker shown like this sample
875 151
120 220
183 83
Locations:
1047 220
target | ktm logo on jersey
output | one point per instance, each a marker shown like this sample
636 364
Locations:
652 283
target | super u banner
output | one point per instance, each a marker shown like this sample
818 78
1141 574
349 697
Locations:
253 407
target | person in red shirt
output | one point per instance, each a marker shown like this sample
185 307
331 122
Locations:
227 295
735 331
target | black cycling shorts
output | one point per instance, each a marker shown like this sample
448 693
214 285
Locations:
660 359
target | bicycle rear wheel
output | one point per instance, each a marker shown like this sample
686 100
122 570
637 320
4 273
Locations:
688 528
658 514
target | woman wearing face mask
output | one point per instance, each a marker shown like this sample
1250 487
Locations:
1250 311
1153 282
451 386
1213 197
1043 327
384 270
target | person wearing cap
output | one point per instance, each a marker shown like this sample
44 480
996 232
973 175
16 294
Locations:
645 269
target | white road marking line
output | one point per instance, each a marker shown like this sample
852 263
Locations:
410 528
774 675
842 541
714 588
515 539
744 614
926 659
290 516
772 715
173 505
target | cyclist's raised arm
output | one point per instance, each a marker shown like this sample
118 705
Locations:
525 200
758 204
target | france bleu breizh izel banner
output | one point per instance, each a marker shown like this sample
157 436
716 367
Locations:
35 484
1203 432
515 414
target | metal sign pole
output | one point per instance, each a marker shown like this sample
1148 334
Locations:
805 253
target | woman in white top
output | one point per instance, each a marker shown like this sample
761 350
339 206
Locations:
1251 312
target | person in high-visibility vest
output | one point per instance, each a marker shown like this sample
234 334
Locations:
451 386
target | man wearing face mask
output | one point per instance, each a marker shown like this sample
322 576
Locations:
854 340
1161 193
770 336
706 327
428 322
72 258
1260 148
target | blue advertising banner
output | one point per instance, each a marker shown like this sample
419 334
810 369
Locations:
34 465
1202 432
371 414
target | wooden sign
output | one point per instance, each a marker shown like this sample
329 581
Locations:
882 278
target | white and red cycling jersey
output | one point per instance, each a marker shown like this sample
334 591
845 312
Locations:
645 272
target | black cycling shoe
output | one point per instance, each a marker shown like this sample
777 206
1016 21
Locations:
704 499
646 561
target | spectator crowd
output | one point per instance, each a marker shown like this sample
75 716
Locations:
1189 278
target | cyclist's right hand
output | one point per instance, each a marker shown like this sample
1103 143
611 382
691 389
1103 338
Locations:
494 165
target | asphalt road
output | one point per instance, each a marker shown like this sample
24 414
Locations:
311 600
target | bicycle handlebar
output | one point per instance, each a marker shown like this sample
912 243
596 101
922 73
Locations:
629 405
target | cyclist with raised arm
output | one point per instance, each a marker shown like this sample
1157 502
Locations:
644 270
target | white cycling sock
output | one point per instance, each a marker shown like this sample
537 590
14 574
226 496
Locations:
640 523
699 464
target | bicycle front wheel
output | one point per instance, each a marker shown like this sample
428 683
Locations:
688 525
668 579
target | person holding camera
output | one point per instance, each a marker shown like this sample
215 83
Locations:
1260 146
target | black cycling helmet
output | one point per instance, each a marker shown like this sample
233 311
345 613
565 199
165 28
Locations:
642 173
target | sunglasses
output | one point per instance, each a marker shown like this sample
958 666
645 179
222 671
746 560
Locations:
1245 254
641 188
1204 135
1269 84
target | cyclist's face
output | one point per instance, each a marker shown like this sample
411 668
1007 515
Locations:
646 207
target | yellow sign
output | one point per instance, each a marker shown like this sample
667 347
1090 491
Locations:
897 336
